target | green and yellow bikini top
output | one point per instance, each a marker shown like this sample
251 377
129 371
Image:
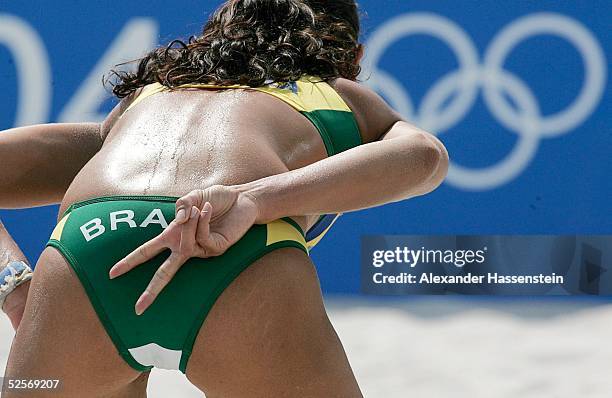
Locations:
316 100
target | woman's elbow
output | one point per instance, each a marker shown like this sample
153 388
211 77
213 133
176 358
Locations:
434 161
439 164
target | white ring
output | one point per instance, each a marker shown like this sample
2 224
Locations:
462 80
522 153
436 26
576 34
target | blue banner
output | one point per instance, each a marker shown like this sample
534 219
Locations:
517 91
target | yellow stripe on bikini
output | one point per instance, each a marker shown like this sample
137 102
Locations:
59 228
311 95
279 231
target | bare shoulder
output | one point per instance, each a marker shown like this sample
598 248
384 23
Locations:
374 116
118 111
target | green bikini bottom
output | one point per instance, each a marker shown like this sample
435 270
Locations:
96 234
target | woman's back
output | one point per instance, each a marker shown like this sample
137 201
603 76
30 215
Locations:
177 141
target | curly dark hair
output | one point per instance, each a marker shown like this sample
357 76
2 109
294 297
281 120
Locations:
252 42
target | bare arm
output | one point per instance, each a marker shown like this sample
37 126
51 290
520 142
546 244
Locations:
407 162
398 161
15 301
40 162
9 251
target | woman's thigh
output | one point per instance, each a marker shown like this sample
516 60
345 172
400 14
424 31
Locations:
61 337
268 335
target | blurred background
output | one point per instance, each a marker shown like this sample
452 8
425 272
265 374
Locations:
517 91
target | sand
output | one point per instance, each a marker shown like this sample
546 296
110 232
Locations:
458 348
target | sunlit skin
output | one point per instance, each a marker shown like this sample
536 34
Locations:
236 158
15 302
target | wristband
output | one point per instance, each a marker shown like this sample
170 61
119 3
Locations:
14 274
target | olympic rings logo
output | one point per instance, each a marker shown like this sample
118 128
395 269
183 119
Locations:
460 88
